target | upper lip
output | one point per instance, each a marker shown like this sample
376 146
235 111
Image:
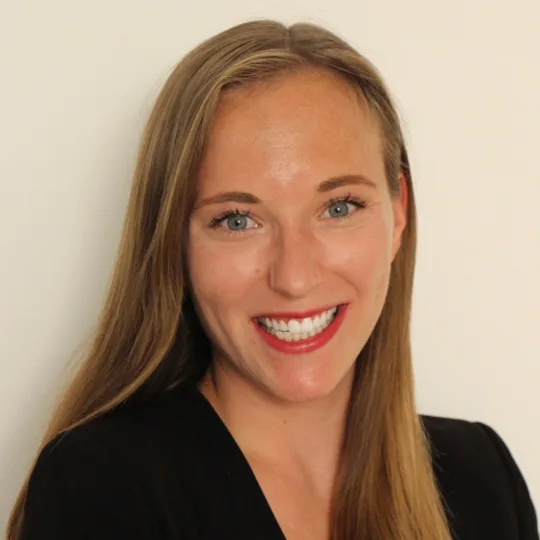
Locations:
295 314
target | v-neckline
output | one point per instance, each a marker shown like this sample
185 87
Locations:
231 458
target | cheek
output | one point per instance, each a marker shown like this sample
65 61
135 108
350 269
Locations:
222 273
361 256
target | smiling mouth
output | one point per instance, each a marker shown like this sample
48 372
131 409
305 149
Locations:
293 330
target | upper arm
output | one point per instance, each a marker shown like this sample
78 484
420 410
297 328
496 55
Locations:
524 505
78 489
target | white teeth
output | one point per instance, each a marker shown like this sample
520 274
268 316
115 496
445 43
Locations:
295 330
307 325
294 326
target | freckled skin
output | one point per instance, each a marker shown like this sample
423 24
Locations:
279 141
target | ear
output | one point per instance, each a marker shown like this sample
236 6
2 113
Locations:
400 206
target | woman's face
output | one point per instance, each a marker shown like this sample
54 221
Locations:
292 220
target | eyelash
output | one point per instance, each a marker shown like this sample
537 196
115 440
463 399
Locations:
355 201
216 222
348 199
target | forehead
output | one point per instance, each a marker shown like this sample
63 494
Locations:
309 123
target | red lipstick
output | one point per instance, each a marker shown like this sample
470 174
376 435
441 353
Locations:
304 345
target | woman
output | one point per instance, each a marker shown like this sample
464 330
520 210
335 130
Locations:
251 377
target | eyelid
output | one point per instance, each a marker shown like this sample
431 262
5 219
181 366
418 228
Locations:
228 213
347 199
218 220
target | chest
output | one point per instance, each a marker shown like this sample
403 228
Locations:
300 513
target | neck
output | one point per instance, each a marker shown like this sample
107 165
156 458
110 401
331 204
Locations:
294 438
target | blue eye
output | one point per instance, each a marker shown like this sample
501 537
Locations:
233 221
236 223
340 208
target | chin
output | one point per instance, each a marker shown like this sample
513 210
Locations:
306 390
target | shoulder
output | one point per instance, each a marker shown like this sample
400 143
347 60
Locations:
478 476
79 482
465 440
141 440
123 470
126 435
469 448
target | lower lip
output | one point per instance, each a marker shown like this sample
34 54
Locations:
304 345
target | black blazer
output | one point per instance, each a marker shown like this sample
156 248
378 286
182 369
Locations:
170 470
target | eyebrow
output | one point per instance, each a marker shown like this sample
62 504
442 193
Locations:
324 187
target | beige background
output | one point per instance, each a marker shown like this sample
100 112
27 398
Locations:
77 79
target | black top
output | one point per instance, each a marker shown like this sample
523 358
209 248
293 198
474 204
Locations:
170 470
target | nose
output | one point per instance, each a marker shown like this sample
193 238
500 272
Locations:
295 270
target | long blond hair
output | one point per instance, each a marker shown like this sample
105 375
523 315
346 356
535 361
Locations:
148 338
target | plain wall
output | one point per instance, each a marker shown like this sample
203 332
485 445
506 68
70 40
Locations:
77 82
